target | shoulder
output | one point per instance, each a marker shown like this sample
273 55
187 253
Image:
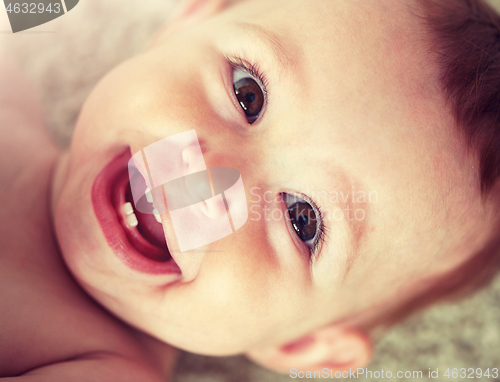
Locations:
23 133
46 317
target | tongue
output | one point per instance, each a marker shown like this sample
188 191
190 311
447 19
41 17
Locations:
151 229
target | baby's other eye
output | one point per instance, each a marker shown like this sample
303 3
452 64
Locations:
249 93
303 219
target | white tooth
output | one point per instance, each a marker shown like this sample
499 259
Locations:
127 209
149 196
157 215
131 220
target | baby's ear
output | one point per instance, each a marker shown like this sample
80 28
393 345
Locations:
188 13
329 347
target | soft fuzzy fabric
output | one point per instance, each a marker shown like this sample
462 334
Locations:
66 57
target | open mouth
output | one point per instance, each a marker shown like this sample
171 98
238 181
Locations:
144 231
138 239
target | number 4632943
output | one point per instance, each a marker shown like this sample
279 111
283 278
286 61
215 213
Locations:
471 373
33 8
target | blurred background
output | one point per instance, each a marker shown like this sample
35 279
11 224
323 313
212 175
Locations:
66 58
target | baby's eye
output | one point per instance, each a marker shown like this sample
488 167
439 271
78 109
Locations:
249 93
303 218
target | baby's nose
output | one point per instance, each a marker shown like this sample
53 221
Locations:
192 157
214 207
200 187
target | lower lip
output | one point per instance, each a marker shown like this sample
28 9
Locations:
102 192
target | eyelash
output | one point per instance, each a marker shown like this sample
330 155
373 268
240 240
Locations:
252 69
322 233
320 239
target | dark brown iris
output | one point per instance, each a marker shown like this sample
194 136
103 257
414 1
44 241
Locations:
303 219
249 96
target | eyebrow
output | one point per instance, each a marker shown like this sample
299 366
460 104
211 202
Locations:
271 41
349 189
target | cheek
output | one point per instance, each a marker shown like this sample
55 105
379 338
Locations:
82 244
243 290
239 271
72 229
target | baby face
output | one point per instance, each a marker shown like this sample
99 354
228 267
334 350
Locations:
356 185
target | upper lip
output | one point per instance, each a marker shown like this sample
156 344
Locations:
103 190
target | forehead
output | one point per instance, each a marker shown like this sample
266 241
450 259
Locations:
356 43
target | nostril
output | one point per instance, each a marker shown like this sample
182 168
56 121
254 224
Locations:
214 207
192 156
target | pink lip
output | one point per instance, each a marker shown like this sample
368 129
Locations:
102 196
